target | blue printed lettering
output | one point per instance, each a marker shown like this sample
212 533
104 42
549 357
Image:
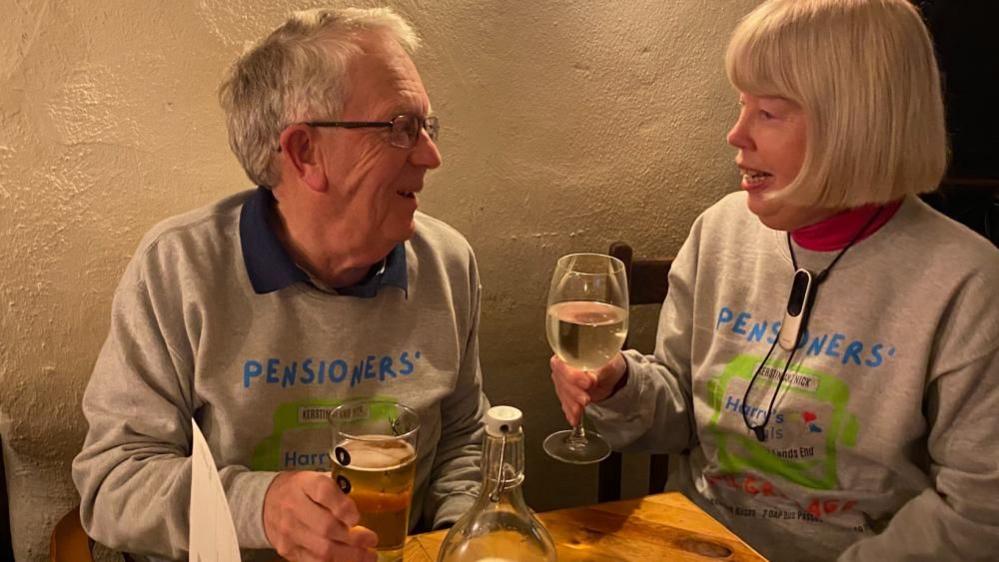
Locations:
309 375
272 369
758 331
290 371
385 368
775 330
408 365
833 349
853 352
751 411
338 370
251 369
804 339
724 317
876 358
732 403
832 344
309 371
817 344
740 323
305 460
735 405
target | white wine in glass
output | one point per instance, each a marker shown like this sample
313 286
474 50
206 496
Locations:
586 325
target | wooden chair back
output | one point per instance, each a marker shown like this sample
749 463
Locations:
647 284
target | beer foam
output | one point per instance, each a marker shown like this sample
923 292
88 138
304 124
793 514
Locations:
378 452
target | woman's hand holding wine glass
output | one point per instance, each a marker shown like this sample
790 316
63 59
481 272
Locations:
587 323
576 389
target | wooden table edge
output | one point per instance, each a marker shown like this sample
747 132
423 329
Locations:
428 543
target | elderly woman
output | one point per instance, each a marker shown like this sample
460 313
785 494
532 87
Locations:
827 366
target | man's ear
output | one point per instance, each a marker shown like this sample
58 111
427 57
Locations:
302 157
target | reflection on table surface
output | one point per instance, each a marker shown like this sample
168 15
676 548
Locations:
654 528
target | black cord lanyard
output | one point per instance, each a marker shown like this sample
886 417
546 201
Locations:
803 306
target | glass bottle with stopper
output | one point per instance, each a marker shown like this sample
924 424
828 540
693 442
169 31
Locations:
500 527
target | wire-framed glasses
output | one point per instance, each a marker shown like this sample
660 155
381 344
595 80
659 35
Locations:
404 129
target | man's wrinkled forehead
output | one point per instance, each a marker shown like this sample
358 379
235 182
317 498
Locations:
384 76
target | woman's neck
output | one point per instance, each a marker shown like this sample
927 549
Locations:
835 232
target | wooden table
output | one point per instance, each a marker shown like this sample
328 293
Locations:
654 528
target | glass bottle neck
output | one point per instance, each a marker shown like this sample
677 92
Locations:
503 467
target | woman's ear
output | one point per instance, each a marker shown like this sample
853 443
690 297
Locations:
302 158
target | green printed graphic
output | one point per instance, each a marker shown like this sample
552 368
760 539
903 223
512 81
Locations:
290 419
739 452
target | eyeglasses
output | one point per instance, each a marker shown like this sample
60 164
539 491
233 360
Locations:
405 129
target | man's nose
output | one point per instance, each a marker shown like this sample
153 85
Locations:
425 153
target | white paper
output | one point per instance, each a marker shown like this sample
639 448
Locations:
213 534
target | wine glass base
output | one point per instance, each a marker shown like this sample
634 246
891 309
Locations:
562 446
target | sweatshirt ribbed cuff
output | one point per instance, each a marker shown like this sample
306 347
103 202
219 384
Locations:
623 398
246 503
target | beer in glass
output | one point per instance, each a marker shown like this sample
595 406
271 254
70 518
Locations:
374 462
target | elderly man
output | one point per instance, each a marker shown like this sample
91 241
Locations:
258 314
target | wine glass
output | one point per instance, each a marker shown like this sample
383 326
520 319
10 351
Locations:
587 323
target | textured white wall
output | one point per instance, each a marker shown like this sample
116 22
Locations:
567 125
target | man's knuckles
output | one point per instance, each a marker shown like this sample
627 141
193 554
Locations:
344 511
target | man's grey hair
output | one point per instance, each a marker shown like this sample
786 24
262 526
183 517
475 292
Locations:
297 73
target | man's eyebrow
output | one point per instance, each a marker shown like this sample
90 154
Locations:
399 110
412 107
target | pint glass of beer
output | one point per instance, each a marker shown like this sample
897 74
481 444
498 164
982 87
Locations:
374 462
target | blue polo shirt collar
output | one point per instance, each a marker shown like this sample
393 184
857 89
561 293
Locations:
270 268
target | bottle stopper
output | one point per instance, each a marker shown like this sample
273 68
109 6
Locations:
503 420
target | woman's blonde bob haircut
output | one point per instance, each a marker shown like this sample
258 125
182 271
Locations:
865 74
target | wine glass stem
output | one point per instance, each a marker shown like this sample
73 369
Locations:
578 433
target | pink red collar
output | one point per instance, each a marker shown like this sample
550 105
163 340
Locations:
838 230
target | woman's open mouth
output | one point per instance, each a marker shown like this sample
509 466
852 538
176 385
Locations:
754 179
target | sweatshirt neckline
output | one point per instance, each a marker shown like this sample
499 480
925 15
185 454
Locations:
835 232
